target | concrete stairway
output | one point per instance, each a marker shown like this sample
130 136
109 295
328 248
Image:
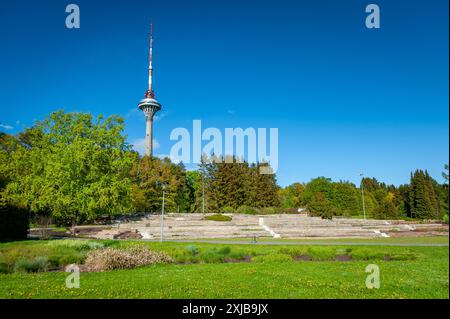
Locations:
191 226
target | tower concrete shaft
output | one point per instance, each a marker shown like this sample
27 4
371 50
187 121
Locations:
149 136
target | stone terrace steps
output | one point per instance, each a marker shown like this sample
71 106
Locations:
191 226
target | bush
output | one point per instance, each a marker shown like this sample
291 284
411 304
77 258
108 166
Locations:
23 265
224 250
228 210
272 258
191 254
367 254
192 249
294 252
445 218
68 258
110 259
77 244
219 218
14 223
267 211
35 265
247 210
321 253
4 268
215 255
211 257
401 257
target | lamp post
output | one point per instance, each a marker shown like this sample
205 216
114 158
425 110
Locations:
163 186
362 195
162 212
203 193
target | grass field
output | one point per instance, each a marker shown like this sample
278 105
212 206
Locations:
382 240
410 272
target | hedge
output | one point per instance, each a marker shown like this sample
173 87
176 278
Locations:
14 223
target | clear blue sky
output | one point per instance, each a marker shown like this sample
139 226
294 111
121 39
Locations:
346 99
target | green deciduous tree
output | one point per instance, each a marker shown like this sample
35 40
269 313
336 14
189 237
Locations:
319 205
291 196
149 175
71 166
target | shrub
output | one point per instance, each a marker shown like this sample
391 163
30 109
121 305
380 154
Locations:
321 253
22 265
35 265
402 257
192 249
216 255
368 254
110 259
228 210
211 257
191 254
267 211
294 252
95 245
224 250
66 259
14 223
238 256
445 218
77 244
273 258
219 218
4 268
247 210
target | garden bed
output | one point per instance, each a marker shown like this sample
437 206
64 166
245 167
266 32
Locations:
54 255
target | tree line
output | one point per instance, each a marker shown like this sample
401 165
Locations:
77 169
422 198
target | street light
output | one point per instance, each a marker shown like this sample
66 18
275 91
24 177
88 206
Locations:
203 193
362 195
163 186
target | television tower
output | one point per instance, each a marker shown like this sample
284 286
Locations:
149 105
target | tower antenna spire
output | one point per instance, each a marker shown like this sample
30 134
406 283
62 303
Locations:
150 92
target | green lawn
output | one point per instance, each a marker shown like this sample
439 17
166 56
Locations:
381 240
413 272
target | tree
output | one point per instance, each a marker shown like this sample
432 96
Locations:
290 196
263 187
194 184
371 184
386 208
72 167
317 185
232 184
442 195
148 175
8 144
321 206
345 198
422 197
445 173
